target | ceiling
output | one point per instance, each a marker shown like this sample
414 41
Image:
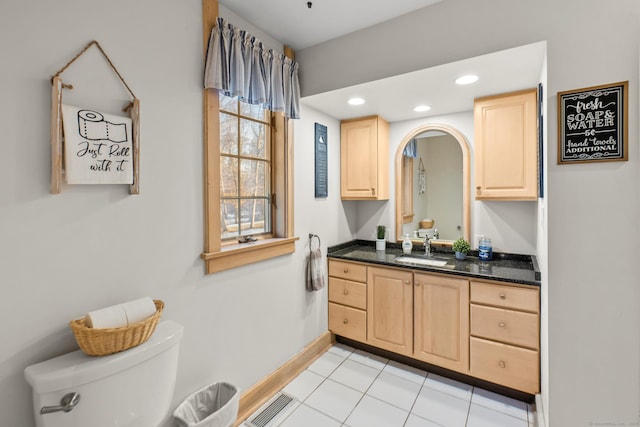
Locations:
294 24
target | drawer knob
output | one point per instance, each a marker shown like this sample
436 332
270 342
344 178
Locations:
501 324
502 364
345 321
407 282
417 284
502 295
346 270
346 292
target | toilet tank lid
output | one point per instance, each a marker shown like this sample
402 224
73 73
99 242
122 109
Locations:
77 368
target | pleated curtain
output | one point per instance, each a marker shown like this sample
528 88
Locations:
238 65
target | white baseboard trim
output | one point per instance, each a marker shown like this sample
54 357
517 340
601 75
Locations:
540 418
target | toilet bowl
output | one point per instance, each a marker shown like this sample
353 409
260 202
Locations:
133 388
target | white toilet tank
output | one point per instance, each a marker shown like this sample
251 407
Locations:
133 388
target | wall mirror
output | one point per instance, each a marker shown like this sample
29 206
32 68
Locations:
432 182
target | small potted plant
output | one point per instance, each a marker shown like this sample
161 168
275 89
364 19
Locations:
461 247
381 243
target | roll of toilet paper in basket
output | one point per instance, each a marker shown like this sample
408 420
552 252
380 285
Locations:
138 310
107 318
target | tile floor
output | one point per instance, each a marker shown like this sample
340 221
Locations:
352 388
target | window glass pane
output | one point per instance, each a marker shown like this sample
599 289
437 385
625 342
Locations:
229 218
228 176
254 139
254 217
253 111
228 134
253 179
228 103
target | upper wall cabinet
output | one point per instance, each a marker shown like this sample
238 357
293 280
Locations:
364 159
506 146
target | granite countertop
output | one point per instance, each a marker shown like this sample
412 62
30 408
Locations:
512 268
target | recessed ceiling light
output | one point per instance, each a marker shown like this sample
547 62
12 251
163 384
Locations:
468 79
356 101
422 108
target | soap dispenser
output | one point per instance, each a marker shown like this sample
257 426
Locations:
406 244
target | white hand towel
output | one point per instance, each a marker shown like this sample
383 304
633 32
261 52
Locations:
105 318
138 310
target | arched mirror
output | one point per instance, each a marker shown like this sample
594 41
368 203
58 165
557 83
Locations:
432 184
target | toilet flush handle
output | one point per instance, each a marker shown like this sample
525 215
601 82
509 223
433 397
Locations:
67 403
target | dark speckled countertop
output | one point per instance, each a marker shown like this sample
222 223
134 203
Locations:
512 268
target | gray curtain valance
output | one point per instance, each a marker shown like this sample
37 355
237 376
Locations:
238 65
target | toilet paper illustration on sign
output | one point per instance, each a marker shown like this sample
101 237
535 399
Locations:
97 147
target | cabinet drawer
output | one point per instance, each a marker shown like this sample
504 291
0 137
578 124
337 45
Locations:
514 367
506 296
347 292
348 322
512 327
347 270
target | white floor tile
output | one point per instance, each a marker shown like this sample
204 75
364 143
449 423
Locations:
480 416
371 412
449 386
405 371
326 364
395 390
355 375
416 421
500 403
441 408
303 385
334 399
308 417
341 350
368 359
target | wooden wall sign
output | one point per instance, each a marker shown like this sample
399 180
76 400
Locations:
592 124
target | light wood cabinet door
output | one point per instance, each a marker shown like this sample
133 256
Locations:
348 322
364 159
442 321
390 309
506 146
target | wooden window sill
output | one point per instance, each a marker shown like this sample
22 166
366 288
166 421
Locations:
233 256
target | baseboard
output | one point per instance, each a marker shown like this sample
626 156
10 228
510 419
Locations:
256 396
540 419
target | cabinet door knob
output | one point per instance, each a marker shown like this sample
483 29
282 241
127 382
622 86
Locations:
346 270
373 191
502 295
479 188
417 284
407 282
502 364
501 324
346 292
345 321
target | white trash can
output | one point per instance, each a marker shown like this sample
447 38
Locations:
215 405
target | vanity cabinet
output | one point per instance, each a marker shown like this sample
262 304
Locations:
505 335
348 299
390 309
506 146
441 321
364 159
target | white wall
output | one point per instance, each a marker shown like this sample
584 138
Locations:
590 293
92 246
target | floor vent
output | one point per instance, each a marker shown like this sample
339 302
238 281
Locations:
277 405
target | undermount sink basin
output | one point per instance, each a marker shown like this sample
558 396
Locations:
421 261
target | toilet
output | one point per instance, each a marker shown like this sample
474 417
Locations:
133 388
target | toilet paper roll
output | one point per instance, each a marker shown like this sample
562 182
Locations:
105 318
138 310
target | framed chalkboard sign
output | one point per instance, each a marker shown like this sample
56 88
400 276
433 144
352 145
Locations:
592 124
321 161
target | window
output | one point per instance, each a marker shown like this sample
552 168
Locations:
248 183
245 170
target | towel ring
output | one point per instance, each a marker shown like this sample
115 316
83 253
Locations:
311 236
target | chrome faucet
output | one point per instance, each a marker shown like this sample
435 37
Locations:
427 245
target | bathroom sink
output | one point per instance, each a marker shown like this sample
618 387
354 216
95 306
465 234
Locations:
432 262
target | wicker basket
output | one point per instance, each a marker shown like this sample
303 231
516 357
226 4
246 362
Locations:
100 342
426 223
